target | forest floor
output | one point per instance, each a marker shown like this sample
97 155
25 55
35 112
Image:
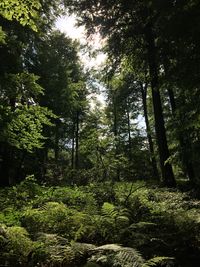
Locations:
63 225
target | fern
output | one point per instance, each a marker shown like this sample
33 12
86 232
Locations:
128 257
15 245
81 251
116 256
109 210
55 249
159 262
119 216
113 220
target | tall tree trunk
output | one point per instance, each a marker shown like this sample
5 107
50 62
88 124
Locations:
172 100
129 132
166 168
117 178
183 140
184 144
73 145
56 146
77 141
148 130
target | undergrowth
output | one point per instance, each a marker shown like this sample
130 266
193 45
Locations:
40 225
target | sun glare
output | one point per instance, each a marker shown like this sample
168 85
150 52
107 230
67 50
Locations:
68 26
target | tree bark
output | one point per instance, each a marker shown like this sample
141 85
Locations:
117 178
129 132
73 145
149 137
172 100
77 141
184 142
56 146
166 168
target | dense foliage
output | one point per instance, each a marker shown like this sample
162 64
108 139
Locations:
89 184
46 225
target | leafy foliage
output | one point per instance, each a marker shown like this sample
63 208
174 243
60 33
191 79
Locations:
26 12
25 130
115 255
15 245
159 261
158 222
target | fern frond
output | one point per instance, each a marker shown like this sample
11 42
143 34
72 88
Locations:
82 249
109 210
116 256
128 257
117 215
56 248
160 262
51 239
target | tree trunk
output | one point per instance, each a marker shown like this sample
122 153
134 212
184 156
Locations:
117 178
77 141
184 142
172 100
166 168
149 137
73 145
56 146
129 132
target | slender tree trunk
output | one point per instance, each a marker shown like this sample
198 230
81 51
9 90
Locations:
149 137
104 174
129 132
77 141
115 121
186 157
116 137
172 100
56 146
166 168
183 140
184 143
73 145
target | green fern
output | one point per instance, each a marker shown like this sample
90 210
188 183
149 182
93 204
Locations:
113 219
128 257
15 245
116 256
118 215
159 262
55 249
81 251
109 210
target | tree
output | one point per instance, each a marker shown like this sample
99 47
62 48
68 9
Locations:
55 60
22 121
21 11
132 26
25 119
